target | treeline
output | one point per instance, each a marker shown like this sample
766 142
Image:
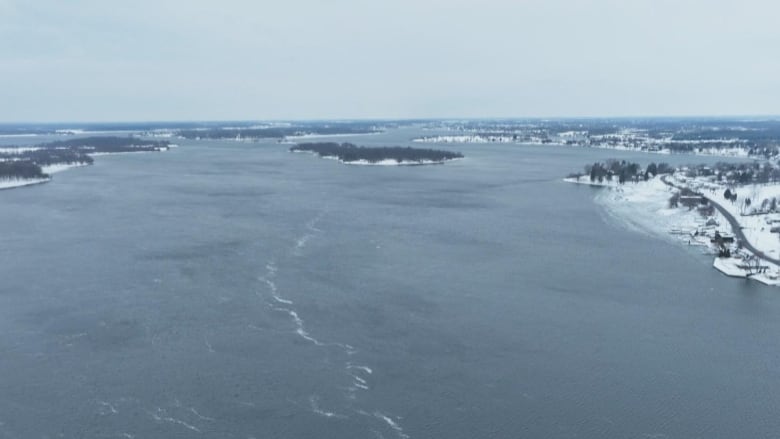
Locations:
686 135
757 133
737 173
27 162
233 133
46 157
753 150
24 170
273 132
623 171
108 144
348 152
752 205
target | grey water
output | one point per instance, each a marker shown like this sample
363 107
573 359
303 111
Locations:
235 290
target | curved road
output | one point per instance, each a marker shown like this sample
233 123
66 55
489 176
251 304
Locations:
734 225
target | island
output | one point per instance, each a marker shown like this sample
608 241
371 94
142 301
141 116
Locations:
732 210
388 155
29 165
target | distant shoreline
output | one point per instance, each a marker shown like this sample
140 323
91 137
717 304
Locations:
22 166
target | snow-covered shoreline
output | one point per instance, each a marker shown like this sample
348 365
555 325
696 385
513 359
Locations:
19 135
392 162
100 154
644 207
59 167
468 138
756 227
385 162
12 183
511 139
317 136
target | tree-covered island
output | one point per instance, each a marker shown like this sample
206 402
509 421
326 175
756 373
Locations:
389 155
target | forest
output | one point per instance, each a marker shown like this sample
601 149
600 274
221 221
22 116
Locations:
25 170
107 144
27 162
348 152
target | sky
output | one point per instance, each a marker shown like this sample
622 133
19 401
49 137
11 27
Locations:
147 60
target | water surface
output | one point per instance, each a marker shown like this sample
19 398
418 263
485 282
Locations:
235 290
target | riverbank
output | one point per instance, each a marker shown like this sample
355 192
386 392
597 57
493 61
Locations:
31 165
647 148
12 183
645 206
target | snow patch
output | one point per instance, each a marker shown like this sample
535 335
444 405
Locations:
20 182
59 167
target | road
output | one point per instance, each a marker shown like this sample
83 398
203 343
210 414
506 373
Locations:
735 226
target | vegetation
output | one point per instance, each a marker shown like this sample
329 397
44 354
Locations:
47 157
737 173
107 144
20 170
27 163
758 138
348 152
623 171
278 132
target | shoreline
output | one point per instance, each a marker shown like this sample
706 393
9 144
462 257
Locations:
15 183
474 140
7 184
393 162
624 202
383 162
59 167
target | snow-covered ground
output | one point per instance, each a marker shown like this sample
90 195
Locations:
757 228
98 154
644 207
392 162
59 167
471 138
18 149
735 267
386 162
626 142
317 136
51 169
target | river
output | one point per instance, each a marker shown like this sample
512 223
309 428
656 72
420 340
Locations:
235 290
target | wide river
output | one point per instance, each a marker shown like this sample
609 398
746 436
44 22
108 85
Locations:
236 290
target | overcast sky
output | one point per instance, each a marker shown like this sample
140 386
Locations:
98 60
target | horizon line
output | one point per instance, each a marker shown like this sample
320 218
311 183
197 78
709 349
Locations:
388 119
